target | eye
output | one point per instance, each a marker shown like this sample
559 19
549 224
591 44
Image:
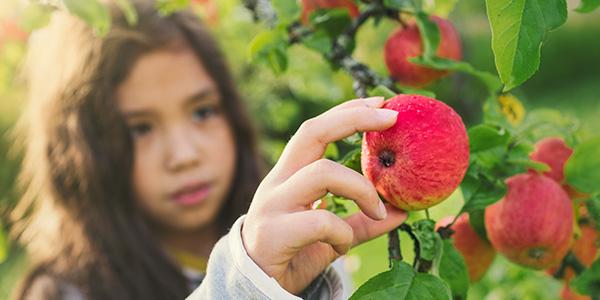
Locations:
205 112
140 129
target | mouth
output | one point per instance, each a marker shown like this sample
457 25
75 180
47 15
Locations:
191 194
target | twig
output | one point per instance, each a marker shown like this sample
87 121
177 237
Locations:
570 260
361 74
394 252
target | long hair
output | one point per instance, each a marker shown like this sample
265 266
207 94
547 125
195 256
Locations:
77 216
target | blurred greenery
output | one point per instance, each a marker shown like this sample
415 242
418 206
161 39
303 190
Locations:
567 81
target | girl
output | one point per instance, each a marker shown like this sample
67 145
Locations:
140 157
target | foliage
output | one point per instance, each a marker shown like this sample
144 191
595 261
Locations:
500 142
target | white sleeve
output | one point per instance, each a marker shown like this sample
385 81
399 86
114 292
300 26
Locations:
232 274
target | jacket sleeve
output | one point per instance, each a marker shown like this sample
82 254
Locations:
232 274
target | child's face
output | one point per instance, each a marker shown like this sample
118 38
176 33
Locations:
184 156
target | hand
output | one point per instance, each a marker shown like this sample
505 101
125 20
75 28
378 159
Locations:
293 243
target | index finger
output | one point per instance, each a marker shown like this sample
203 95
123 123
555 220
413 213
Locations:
311 139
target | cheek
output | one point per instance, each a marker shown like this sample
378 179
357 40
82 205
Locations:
145 173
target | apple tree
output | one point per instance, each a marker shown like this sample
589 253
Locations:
530 180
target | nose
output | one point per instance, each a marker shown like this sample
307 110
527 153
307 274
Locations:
182 151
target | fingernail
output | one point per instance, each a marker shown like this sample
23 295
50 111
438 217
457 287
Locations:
382 211
373 101
387 114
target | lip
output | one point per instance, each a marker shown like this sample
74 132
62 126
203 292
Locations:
191 194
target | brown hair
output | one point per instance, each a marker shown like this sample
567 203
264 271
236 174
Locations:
77 215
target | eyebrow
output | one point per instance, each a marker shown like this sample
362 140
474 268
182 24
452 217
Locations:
200 96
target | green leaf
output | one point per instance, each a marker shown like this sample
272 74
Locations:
477 222
587 6
402 282
441 8
483 137
588 282
35 16
92 12
425 231
415 91
518 29
491 81
401 5
287 11
167 7
319 41
582 170
269 47
352 160
332 21
454 271
332 151
430 34
593 207
383 91
3 245
354 140
478 193
129 11
529 164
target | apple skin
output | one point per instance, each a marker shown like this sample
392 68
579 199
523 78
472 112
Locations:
554 152
406 43
422 158
533 224
585 250
309 6
478 253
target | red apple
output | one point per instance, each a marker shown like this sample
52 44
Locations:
478 253
309 6
533 224
555 153
420 160
406 43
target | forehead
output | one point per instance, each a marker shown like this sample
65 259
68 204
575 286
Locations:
165 75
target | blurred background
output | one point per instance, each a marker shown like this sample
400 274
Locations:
568 80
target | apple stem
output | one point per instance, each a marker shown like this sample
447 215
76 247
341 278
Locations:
570 260
394 251
427 214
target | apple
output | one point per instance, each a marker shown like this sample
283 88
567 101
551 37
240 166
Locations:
406 43
478 253
309 6
422 158
533 224
554 152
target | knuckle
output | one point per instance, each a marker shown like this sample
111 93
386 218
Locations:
323 165
308 126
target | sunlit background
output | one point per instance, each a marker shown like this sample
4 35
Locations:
568 80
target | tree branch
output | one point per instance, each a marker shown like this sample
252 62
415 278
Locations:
363 77
394 252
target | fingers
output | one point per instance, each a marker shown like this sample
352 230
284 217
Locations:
365 228
315 180
311 139
374 102
311 226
